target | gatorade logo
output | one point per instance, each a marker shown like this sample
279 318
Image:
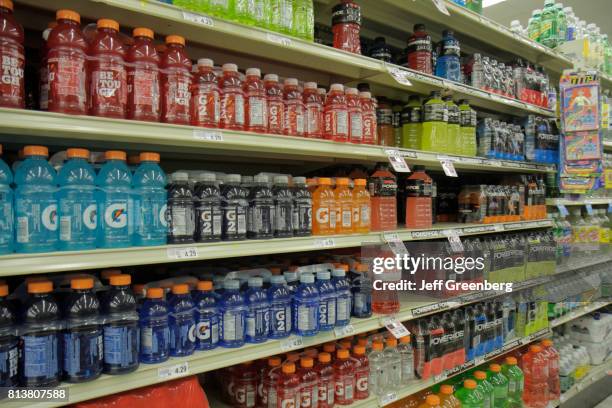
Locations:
192 334
49 217
203 331
362 383
162 216
287 403
107 84
323 312
115 215
322 215
90 216
240 395
322 392
306 400
279 316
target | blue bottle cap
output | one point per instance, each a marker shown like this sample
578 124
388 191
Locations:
307 278
323 275
255 282
231 284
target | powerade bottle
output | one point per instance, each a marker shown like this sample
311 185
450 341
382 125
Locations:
467 132
234 201
306 307
154 331
260 214
6 210
150 197
232 312
120 330
82 339
279 297
419 50
8 341
343 296
77 208
206 315
181 321
453 129
39 338
302 208
258 315
35 203
208 214
435 118
448 65
327 301
283 207
181 223
114 197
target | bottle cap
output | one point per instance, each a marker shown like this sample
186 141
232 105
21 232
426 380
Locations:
377 345
120 280
446 389
329 347
231 284
337 87
143 32
288 368
290 276
307 278
229 68
204 176
293 357
81 283
310 85
345 344
277 279
296 180
362 341
511 361
149 156
255 282
68 15
342 181
175 39
108 23
359 182
271 77
365 95
432 400
180 289
325 181
352 91
359 350
40 287
311 352
205 286
404 340
535 348
391 342
339 273
7 4
35 151
233 178
3 287
115 155
469 384
281 180
274 361
205 62
342 353
323 275
480 375
306 362
322 91
496 368
77 153
291 81
155 293
547 342
179 176
254 72
324 357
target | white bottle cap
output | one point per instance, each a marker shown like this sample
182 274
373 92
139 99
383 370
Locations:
365 95
322 91
233 178
337 87
291 81
260 178
204 176
281 180
299 180
310 85
271 77
307 278
254 72
205 62
230 67
352 91
180 176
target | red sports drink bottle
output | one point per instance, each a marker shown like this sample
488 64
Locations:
552 356
176 82
309 382
143 78
245 385
255 106
325 369
346 24
313 111
535 370
419 50
368 114
205 96
362 373
43 88
344 378
232 98
336 115
12 58
294 108
288 387
276 105
266 390
355 115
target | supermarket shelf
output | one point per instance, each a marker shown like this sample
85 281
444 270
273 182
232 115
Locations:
584 310
580 201
608 146
22 264
606 80
595 374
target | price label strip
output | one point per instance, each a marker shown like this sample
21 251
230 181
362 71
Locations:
208 135
291 343
387 399
182 253
448 166
177 370
279 39
324 243
199 19
344 331
397 329
397 161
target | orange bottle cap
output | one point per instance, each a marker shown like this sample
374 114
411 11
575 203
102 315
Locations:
120 280
432 400
175 39
469 384
180 289
360 182
205 285
7 4
155 293
342 181
35 151
293 357
274 361
377 345
149 156
4 290
82 283
446 389
108 23
275 270
324 357
68 15
325 181
405 340
511 361
306 362
535 348
342 353
329 347
40 287
311 352
480 375
115 155
341 266
496 368
359 350
362 342
288 368
76 152
107 273
547 342
391 342
143 32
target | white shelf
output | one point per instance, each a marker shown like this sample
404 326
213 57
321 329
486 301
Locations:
580 201
579 312
595 374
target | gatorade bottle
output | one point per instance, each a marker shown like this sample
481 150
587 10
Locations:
143 77
232 315
309 382
266 391
552 356
407 360
324 209
327 301
418 199
232 99
258 315
515 378
485 387
181 214
82 339
108 79
292 281
453 132
77 210
8 341
344 206
66 65
313 111
361 291
306 307
154 330
206 316
43 89
412 128
279 298
326 384
500 386
362 373
181 321
394 364
6 211
355 115
343 297
283 207
368 115
294 108
35 203
150 198
205 96
260 213
288 387
302 208
447 398
344 377
208 213
467 122
234 204
448 65
435 118
431 401
276 105
336 117
120 329
361 207
39 339
535 369
420 50
255 105
113 194
346 24
378 370
12 55
176 82
469 396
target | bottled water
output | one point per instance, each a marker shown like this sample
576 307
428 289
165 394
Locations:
407 360
378 369
393 362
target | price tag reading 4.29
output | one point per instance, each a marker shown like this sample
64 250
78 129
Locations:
397 328
178 370
448 167
397 161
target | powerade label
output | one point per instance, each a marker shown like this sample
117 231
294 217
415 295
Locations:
280 320
327 313
154 340
78 220
121 345
435 112
257 323
40 357
8 364
36 220
411 114
345 13
209 218
419 44
82 353
207 330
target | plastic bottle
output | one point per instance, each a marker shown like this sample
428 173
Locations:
552 357
82 339
361 373
309 382
407 360
361 291
412 128
276 105
343 297
336 114
302 208
181 214
346 24
393 360
206 316
313 111
266 391
344 206
7 210
181 321
233 314
150 197
500 385
435 121
303 19
368 115
447 398
258 314
452 130
418 199
244 381
344 369
534 27
255 102
232 99
469 396
154 330
260 213
306 307
420 50
9 367
324 209
39 340
355 116
279 297
485 387
294 108
326 386
208 213
448 65
205 96
535 369
35 203
327 301
292 281
143 77
283 207
378 370
12 57
548 27
467 133
361 207
175 82
288 387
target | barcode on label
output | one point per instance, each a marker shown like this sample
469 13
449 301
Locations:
448 167
398 162
22 230
178 370
65 228
199 19
397 329
208 135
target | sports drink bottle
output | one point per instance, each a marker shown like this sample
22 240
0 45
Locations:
378 384
150 202
324 209
261 210
448 65
302 208
12 55
412 128
279 297
362 373
288 387
205 96
276 105
154 330
420 50
343 297
208 212
234 204
336 116
346 24
326 384
258 314
206 316
245 385
516 379
294 108
327 301
256 109
469 395
9 351
361 207
180 210
232 99
283 207
232 315
313 111
344 206
143 77
485 387
306 307
309 382
7 239
175 82
500 385
181 321
344 378
368 115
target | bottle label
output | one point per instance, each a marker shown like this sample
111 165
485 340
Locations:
302 215
154 340
280 316
326 391
283 215
176 97
67 80
116 214
336 123
182 221
182 332
327 312
40 356
313 119
257 111
207 330
143 88
257 322
435 112
288 397
234 221
260 220
36 220
245 394
232 326
346 217
343 308
309 395
356 124
276 113
306 316
369 128
9 363
209 221
207 106
344 389
121 345
108 87
294 119
82 352
78 220
232 110
362 384
12 63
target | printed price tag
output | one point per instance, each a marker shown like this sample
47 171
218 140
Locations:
399 75
498 227
198 19
455 243
387 399
440 377
563 210
177 370
182 252
494 163
397 161
448 167
395 243
589 208
397 329
479 360
291 343
441 6
411 154
324 243
279 39
208 135
344 331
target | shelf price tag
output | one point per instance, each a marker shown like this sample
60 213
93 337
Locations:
177 370
182 253
344 331
199 19
395 243
399 75
448 166
397 328
279 39
397 161
208 135
563 210
441 6
387 399
455 241
291 343
589 209
324 243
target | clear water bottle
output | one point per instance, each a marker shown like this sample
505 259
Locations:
378 369
407 360
393 361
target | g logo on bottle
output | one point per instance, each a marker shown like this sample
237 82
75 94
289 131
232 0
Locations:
322 215
49 217
115 215
90 216
163 218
